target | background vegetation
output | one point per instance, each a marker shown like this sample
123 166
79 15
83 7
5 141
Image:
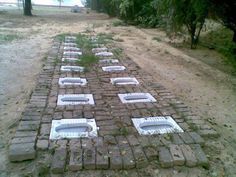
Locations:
174 15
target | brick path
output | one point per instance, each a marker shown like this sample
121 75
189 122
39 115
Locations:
118 146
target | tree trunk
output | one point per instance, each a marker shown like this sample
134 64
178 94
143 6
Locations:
27 8
193 39
234 37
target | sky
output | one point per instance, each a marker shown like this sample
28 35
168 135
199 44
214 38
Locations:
50 2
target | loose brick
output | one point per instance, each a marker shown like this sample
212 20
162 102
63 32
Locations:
31 118
122 141
21 152
61 144
89 156
165 158
209 133
59 161
151 153
22 140
115 157
87 143
98 141
28 126
45 129
197 138
42 145
165 139
102 159
186 138
109 140
144 141
76 160
177 155
133 141
176 139
200 155
75 145
127 157
139 156
155 141
25 134
189 155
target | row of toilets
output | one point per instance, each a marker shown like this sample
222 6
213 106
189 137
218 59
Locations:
75 128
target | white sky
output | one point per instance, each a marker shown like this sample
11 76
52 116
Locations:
50 2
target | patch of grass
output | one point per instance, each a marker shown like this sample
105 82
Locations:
119 23
8 37
104 38
61 37
87 60
221 41
156 39
119 40
84 42
123 131
117 52
57 60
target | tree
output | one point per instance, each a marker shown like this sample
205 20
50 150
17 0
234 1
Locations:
225 10
188 13
111 7
60 2
27 8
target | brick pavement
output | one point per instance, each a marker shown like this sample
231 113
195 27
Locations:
118 145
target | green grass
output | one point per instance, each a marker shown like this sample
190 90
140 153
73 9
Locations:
61 37
8 37
104 38
118 23
156 39
84 42
221 41
117 52
87 60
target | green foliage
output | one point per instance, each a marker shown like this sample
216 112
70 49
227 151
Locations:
225 11
87 60
221 41
8 37
104 38
147 15
84 42
190 14
127 9
119 23
61 37
111 7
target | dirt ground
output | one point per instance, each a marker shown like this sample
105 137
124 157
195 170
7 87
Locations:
191 74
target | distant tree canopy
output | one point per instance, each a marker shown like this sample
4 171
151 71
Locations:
225 11
175 14
190 14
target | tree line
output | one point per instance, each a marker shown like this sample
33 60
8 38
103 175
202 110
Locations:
174 14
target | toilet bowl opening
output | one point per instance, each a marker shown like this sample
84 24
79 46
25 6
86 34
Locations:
161 125
75 99
135 97
74 128
125 80
73 68
72 81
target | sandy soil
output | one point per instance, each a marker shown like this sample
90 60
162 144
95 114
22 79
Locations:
191 75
